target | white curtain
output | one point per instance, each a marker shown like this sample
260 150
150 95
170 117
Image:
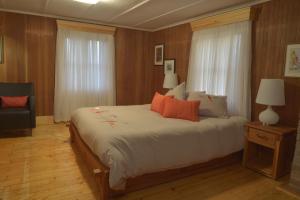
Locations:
220 64
84 72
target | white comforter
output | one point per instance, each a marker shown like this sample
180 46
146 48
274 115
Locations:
133 140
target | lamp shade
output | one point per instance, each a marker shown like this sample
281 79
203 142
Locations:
271 92
170 80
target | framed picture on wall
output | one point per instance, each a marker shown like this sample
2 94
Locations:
292 63
159 54
169 66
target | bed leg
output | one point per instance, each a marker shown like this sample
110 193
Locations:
102 181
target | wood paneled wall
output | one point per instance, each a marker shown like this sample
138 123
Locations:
177 42
133 74
29 55
276 24
30 43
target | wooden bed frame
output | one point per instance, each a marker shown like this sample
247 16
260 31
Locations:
101 172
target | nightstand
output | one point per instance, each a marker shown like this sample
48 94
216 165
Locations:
269 149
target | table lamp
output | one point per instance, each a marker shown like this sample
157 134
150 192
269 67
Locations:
270 93
170 81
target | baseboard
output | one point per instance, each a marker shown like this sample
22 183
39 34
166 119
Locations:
44 120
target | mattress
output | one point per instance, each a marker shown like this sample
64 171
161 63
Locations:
133 140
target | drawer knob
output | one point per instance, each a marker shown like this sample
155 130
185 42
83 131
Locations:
261 136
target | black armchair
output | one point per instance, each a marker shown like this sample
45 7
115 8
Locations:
18 118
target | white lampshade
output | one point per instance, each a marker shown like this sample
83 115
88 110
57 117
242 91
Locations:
170 80
271 92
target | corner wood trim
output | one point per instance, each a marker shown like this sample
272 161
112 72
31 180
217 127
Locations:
86 27
222 19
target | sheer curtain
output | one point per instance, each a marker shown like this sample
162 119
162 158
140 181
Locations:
84 72
220 64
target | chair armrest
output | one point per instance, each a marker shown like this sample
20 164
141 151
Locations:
32 110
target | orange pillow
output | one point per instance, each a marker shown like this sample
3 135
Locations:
13 102
180 109
158 102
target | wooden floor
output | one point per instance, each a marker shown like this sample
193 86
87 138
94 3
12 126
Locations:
44 166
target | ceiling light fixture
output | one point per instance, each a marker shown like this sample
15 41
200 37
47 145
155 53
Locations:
88 1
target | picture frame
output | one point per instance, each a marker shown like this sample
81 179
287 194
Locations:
169 66
159 54
292 63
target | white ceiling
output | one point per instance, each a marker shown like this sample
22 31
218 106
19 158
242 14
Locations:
138 14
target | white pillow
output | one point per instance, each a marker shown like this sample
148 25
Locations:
210 105
178 92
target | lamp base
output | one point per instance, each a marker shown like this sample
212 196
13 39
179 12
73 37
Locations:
268 116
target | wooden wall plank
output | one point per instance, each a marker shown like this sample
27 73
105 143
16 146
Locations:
177 43
271 35
132 71
41 44
29 55
14 40
2 66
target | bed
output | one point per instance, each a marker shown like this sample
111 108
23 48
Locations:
131 147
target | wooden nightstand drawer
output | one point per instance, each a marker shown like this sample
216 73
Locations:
262 137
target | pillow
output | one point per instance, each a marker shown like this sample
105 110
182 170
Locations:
195 94
211 105
178 92
158 102
181 109
13 102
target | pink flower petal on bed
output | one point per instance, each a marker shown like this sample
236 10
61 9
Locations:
111 122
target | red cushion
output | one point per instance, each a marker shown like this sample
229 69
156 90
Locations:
180 109
13 102
158 102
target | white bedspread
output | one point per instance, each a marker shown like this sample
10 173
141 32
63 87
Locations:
132 140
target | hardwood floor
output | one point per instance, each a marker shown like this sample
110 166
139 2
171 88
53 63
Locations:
44 166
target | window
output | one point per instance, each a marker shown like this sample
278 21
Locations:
220 64
84 71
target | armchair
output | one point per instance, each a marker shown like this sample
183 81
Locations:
18 118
